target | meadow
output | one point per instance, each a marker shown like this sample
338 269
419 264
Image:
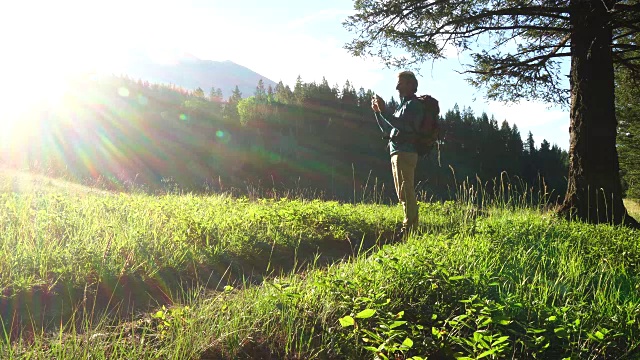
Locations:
93 274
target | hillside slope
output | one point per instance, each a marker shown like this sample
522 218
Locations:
191 73
24 182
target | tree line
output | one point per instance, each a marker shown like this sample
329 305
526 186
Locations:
315 137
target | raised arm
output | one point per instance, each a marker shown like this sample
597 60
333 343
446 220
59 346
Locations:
407 120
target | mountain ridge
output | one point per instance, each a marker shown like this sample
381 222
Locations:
191 73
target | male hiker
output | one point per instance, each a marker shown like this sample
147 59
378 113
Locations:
404 157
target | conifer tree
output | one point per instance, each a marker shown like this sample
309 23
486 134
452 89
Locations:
283 94
215 95
531 145
595 34
231 107
270 94
199 93
260 93
299 91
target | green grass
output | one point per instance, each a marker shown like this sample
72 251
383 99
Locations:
69 246
308 279
53 237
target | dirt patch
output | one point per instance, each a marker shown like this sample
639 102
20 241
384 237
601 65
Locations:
44 308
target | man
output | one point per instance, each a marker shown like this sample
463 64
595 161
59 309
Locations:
404 157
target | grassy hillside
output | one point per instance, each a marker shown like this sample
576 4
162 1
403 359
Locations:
20 182
90 274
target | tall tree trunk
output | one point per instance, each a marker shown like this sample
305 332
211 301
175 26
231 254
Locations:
594 192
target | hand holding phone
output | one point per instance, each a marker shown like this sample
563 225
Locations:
377 103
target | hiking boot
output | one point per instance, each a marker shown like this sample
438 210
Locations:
406 230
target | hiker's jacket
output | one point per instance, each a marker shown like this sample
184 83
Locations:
406 120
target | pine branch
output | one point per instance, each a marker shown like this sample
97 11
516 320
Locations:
625 8
540 11
555 48
481 29
625 46
623 59
456 22
628 63
628 23
541 60
629 33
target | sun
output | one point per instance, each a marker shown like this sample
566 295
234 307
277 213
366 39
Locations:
26 91
43 51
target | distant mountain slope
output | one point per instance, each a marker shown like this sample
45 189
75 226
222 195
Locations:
191 73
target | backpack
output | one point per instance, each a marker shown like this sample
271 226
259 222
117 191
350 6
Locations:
427 134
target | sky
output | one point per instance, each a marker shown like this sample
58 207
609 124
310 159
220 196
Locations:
45 41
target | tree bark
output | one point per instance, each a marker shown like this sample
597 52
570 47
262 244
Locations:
594 192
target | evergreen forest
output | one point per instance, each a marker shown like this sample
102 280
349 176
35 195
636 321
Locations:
119 133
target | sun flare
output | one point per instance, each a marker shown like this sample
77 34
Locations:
26 92
43 52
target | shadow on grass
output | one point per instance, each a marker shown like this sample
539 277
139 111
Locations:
26 314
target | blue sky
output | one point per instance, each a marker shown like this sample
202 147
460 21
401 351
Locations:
279 39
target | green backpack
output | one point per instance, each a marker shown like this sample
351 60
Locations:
428 131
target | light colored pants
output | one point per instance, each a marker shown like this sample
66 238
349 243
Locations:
403 165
